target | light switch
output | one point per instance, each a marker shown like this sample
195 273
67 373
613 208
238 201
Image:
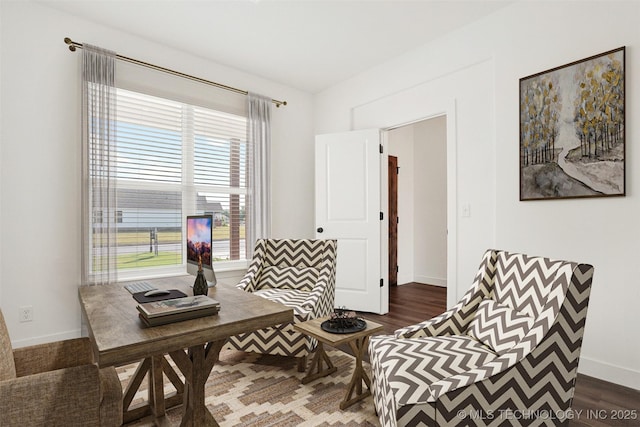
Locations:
466 210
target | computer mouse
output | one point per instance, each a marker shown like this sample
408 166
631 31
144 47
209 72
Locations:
156 292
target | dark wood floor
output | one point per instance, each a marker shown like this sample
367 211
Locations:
596 403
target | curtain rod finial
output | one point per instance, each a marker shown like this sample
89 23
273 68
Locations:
68 41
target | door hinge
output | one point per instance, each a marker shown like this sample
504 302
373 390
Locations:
397 268
397 220
381 216
381 283
397 170
381 149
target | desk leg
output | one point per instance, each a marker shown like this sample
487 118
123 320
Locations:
156 387
158 402
196 366
359 346
316 364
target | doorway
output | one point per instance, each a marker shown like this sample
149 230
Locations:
418 175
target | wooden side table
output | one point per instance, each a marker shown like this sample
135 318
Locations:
358 341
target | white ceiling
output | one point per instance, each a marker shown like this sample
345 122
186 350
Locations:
309 45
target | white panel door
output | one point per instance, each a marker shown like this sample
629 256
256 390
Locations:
348 208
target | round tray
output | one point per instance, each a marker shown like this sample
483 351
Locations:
359 326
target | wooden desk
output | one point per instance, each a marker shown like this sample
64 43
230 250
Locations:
358 342
119 337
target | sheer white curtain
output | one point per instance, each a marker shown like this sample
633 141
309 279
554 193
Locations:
258 220
99 244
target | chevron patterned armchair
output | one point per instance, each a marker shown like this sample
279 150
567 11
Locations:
506 354
299 274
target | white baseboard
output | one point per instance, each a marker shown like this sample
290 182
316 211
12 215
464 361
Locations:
46 338
610 373
431 281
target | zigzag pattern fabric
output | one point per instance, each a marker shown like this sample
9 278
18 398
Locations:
299 273
299 278
523 282
498 326
428 361
534 379
291 298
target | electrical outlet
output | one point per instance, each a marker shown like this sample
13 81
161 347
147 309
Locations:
26 313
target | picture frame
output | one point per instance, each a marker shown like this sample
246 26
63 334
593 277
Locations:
572 129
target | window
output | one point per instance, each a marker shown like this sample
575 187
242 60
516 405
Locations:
175 159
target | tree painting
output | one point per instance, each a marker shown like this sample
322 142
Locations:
572 130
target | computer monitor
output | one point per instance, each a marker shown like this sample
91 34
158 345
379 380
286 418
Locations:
200 244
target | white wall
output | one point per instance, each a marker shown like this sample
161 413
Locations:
478 68
40 159
430 176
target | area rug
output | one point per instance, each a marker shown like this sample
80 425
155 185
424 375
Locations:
247 389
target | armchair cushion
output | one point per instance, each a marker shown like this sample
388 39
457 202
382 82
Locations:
498 326
286 277
523 282
291 298
412 366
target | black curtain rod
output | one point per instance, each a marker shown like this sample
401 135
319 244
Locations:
74 45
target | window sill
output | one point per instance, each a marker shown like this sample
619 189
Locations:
222 269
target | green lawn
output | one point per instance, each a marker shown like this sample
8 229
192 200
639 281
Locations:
142 237
149 259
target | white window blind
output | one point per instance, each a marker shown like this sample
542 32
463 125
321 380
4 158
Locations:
174 159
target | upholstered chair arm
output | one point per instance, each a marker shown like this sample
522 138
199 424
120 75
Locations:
441 325
51 356
456 320
110 398
251 277
322 297
452 322
62 397
248 282
319 302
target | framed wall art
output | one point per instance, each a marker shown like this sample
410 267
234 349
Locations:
572 129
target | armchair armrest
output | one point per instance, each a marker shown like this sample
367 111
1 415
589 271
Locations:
249 281
322 297
441 325
318 301
51 356
456 320
63 397
452 322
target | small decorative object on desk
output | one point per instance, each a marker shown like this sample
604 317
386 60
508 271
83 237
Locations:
343 321
200 286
